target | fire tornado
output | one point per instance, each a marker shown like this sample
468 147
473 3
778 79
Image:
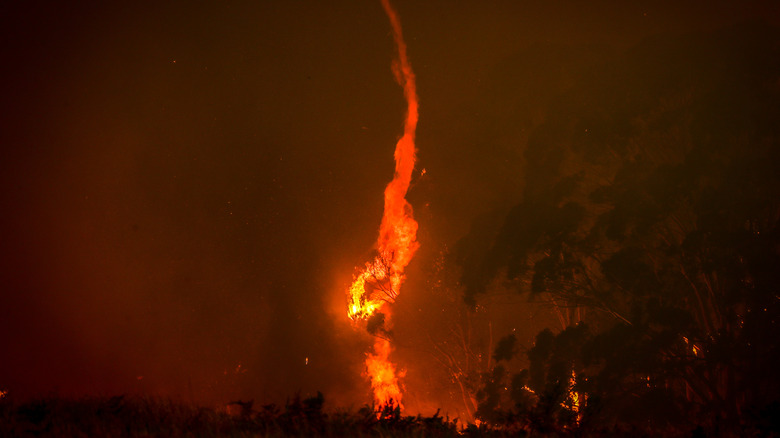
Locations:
380 281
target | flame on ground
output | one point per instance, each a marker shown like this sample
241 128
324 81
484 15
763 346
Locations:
383 374
576 399
380 281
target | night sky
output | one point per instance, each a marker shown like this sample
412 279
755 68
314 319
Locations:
188 187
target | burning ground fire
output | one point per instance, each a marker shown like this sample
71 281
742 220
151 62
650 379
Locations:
379 283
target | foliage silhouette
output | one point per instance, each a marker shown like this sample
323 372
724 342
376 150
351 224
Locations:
651 208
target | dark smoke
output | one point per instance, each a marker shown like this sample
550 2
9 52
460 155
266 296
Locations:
187 187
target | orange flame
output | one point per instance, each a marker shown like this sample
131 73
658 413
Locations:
380 281
383 375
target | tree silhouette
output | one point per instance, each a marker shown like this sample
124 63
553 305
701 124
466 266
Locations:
651 211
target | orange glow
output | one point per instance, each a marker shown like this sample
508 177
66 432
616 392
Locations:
380 281
375 286
383 374
577 400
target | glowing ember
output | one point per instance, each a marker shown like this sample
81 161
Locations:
575 398
380 281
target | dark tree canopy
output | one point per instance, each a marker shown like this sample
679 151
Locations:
651 201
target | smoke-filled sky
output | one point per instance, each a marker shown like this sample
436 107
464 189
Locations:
188 187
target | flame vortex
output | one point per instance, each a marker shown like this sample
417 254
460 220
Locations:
380 281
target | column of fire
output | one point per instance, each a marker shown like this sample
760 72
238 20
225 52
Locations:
379 283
